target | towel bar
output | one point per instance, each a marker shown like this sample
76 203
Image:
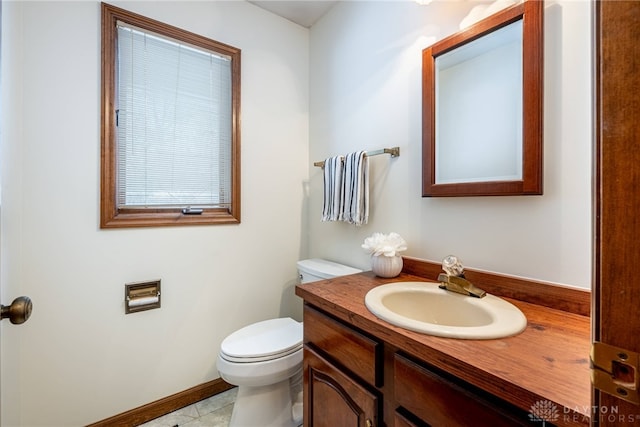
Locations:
394 151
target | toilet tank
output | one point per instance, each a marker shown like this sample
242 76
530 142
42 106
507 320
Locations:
314 269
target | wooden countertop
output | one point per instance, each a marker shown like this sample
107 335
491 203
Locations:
548 361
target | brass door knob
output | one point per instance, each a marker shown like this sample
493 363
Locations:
18 312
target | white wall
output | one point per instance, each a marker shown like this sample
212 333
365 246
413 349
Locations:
81 358
366 94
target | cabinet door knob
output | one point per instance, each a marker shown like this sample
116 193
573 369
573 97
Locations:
369 423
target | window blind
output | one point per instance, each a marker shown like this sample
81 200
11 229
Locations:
174 123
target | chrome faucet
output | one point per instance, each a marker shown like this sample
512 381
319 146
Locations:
453 278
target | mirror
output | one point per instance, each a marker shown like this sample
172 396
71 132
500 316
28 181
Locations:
482 107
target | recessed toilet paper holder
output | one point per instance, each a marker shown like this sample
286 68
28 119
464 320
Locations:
141 296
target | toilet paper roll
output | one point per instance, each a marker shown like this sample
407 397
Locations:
137 302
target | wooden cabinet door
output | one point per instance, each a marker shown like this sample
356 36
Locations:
439 401
334 399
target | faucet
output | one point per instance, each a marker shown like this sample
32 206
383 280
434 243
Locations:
453 279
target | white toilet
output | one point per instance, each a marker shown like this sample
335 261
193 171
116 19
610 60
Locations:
265 361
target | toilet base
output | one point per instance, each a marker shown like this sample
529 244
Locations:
265 406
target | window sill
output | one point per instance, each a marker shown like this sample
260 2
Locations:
163 219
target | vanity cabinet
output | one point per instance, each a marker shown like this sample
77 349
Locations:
355 379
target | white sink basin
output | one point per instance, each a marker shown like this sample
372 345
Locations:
424 307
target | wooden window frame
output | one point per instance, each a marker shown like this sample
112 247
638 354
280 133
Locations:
110 215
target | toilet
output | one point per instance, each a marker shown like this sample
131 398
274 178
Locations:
264 360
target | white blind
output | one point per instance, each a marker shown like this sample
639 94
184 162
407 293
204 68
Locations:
173 123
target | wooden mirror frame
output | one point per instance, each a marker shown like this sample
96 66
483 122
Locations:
531 13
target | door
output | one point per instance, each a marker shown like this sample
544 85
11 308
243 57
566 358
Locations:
20 310
616 290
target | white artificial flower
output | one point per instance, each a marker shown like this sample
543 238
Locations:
384 244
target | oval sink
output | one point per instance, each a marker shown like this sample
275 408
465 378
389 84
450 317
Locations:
424 307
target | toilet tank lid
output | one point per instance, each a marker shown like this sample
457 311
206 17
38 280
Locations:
325 269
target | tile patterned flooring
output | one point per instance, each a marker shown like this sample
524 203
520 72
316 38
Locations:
212 412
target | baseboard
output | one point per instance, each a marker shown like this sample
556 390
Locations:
165 406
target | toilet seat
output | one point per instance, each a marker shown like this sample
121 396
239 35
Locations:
263 341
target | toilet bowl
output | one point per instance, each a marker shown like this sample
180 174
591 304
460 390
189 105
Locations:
264 360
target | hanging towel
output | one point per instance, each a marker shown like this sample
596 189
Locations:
333 187
356 189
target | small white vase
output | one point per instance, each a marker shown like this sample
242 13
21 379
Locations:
386 266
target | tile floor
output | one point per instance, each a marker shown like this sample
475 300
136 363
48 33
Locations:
212 412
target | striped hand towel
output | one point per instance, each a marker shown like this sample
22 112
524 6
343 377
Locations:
333 187
356 189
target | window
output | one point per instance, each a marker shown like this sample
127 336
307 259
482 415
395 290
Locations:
170 125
